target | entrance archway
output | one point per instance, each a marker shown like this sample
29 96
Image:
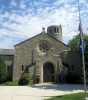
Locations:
48 72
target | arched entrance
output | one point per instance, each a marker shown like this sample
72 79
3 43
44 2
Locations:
48 72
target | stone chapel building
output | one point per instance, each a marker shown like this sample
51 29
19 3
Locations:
44 54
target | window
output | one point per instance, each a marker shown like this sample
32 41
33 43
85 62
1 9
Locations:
8 68
44 46
22 68
57 30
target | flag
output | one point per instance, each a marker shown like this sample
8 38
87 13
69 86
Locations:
80 29
81 47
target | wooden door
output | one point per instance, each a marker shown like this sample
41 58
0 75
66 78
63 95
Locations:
48 72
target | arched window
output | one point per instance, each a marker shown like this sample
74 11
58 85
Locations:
55 30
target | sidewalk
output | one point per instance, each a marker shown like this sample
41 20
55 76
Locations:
39 92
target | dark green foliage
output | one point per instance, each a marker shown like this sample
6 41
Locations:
74 42
37 78
72 78
9 83
2 70
8 78
25 79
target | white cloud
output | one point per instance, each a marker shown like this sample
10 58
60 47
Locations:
13 3
82 1
39 3
25 23
59 2
22 5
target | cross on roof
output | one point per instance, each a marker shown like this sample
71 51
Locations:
43 28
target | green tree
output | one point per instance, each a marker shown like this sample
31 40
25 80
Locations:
2 70
74 42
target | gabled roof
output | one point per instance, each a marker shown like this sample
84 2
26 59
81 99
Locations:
28 39
6 51
40 34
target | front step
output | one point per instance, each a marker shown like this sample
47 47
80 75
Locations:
48 83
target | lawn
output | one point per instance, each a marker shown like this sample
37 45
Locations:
76 96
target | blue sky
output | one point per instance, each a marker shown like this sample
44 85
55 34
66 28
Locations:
23 19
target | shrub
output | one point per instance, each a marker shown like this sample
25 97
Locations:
37 78
25 79
2 70
72 78
8 83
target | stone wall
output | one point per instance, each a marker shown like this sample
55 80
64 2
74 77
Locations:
73 60
27 52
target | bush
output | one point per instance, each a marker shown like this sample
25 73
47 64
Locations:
72 78
37 78
8 83
25 79
2 70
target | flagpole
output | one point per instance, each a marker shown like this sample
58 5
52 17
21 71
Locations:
82 55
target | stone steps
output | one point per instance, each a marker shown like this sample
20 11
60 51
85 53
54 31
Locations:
41 84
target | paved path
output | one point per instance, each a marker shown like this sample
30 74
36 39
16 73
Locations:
39 92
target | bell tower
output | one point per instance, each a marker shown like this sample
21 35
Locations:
55 31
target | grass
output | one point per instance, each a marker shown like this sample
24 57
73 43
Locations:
76 96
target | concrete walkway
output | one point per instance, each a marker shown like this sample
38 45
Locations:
38 92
